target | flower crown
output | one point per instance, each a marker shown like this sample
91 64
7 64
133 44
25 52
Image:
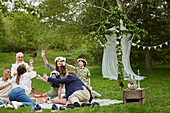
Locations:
82 59
19 53
54 72
60 58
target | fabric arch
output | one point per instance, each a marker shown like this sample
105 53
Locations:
109 62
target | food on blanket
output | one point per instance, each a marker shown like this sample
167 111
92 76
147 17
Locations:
30 95
40 95
33 99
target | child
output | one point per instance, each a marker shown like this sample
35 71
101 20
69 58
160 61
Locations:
20 87
54 92
83 74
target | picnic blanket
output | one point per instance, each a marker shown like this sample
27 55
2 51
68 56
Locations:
102 102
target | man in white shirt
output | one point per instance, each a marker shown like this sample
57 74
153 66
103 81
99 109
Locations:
5 85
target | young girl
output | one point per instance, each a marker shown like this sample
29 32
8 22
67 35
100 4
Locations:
55 89
55 86
83 74
20 88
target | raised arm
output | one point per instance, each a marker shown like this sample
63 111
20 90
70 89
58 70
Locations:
88 81
70 66
88 74
47 65
31 74
66 80
41 78
44 58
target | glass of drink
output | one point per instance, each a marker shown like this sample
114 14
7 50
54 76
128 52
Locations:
31 62
43 52
45 74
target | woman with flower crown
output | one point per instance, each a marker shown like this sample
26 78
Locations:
60 67
19 59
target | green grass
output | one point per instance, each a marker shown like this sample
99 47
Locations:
156 84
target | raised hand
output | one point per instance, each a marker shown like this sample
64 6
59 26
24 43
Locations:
43 53
37 76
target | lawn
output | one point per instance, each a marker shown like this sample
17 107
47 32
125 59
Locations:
156 84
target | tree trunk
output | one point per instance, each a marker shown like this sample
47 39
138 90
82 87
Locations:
119 3
148 57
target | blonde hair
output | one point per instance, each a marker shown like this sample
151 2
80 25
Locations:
19 53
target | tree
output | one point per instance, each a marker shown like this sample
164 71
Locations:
2 34
59 16
22 31
153 16
144 14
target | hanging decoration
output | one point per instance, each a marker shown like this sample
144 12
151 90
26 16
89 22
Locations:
113 20
149 47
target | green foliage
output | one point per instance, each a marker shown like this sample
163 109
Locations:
32 30
64 33
66 37
2 34
96 53
22 31
3 7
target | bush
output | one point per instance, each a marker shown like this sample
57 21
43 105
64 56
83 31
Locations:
96 53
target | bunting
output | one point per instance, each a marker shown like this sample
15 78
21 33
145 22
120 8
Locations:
138 45
149 47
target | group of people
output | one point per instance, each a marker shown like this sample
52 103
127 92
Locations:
75 85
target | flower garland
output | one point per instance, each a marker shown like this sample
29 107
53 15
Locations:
113 20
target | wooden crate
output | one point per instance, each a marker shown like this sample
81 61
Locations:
136 96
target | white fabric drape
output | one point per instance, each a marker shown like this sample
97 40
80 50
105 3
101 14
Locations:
109 63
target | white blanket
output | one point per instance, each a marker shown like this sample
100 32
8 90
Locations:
102 102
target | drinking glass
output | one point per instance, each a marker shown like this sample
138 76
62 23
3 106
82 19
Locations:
43 52
31 62
45 74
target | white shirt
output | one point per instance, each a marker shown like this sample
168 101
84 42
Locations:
14 67
24 82
5 92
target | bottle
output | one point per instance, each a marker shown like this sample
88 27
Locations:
138 79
